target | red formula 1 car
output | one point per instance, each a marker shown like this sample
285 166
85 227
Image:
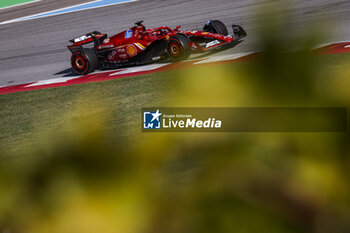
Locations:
138 45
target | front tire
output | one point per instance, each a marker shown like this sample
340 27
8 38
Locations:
179 47
84 61
216 26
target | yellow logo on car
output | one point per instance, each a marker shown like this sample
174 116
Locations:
132 51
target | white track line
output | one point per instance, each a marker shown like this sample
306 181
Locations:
330 43
224 57
20 4
50 81
52 13
139 69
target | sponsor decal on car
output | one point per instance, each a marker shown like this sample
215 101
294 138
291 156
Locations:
215 42
131 50
82 38
128 34
72 47
140 46
156 58
107 46
191 31
112 54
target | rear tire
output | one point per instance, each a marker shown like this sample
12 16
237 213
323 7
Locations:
84 61
179 47
216 26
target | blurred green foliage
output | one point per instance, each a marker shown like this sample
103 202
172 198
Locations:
83 180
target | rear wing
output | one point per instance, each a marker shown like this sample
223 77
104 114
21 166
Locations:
87 38
96 37
238 32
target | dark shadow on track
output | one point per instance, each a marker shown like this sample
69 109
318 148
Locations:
67 73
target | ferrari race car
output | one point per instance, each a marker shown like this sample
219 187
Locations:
138 45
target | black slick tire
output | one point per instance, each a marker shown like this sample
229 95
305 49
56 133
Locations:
216 26
84 61
179 47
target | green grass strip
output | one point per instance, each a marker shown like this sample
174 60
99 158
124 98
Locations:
7 3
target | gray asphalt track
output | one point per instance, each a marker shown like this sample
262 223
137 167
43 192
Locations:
36 50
